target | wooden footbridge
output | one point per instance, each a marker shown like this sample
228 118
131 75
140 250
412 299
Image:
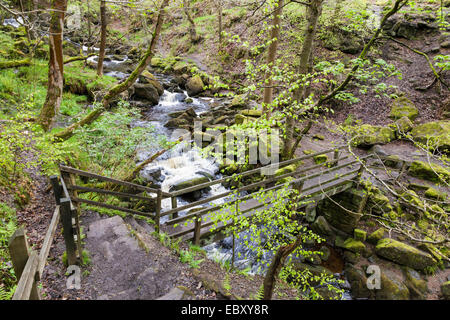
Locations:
195 221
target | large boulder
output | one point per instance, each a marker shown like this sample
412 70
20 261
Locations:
335 215
358 283
194 85
147 92
404 254
369 135
392 287
424 170
147 77
418 288
403 107
435 134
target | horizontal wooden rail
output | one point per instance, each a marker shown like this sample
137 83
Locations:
110 206
115 181
253 171
113 193
28 278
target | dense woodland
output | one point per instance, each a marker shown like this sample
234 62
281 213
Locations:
123 88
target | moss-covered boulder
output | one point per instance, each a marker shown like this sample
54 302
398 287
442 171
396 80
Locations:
403 107
392 288
147 77
434 172
378 203
321 158
321 226
358 283
351 244
239 101
194 85
404 254
189 183
251 113
445 290
432 193
376 236
418 288
368 135
403 126
435 134
359 235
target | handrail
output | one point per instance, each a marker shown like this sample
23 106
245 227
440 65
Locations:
249 172
103 178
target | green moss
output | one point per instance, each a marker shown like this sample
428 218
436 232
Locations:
376 236
351 245
434 173
432 193
367 135
404 254
403 107
321 158
360 235
435 134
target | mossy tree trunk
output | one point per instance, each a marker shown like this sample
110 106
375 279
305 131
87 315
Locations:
313 13
120 87
55 66
271 55
192 31
103 23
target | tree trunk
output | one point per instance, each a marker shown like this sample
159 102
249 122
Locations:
274 37
313 13
101 54
192 31
120 87
55 66
275 267
219 21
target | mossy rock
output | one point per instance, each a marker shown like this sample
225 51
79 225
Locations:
369 135
418 288
376 236
403 107
189 183
321 226
392 288
445 290
435 134
358 283
351 244
432 193
147 77
240 119
434 173
359 235
321 158
403 126
378 202
404 254
194 85
252 113
239 101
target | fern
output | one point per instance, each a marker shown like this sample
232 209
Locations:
7 294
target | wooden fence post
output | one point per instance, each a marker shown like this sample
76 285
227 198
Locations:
77 213
19 252
174 205
57 189
336 157
66 218
197 229
158 210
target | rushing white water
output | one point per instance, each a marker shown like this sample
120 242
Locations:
15 22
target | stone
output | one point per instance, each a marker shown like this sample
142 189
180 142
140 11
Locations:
325 253
147 77
321 226
435 134
432 193
392 288
321 158
178 293
188 183
376 236
359 235
418 288
194 85
351 244
351 257
371 135
358 283
424 170
146 91
445 290
239 101
404 254
403 125
336 216
403 107
152 175
176 123
252 113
